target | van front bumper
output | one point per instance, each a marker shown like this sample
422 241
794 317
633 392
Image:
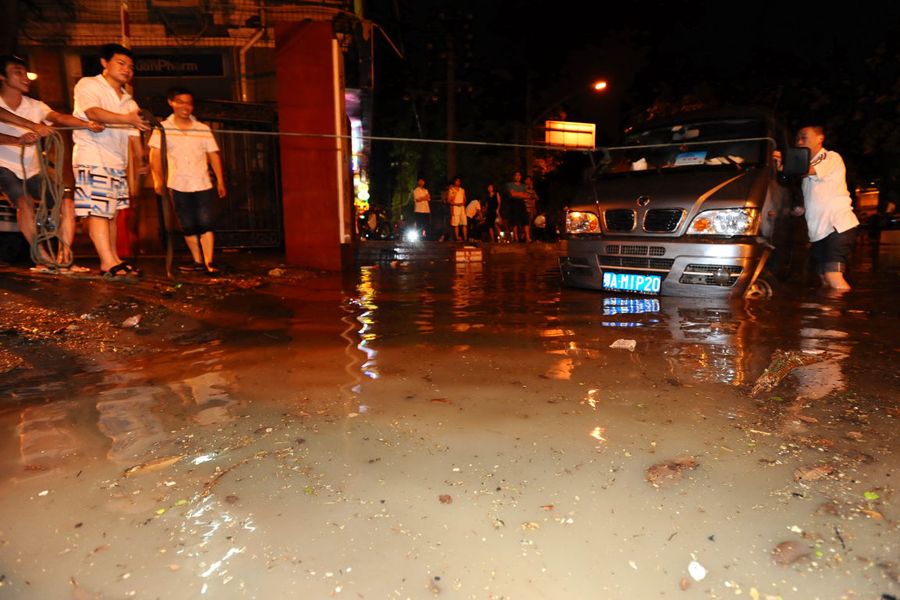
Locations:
689 266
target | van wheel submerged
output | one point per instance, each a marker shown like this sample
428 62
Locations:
760 288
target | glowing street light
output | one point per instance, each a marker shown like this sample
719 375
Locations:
31 76
600 85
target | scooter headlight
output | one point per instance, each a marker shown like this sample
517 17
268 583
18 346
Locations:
727 222
582 222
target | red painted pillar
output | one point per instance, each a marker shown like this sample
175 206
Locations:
314 170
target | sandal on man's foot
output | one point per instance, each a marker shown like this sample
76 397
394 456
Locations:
132 270
119 271
211 269
191 267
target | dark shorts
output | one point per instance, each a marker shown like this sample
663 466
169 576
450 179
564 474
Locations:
12 185
831 254
195 211
423 220
518 214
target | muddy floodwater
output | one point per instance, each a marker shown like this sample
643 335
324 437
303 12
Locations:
420 430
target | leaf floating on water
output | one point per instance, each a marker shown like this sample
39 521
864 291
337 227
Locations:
667 472
874 514
530 525
871 496
813 473
787 553
153 465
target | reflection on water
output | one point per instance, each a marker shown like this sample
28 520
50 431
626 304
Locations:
128 417
360 317
46 436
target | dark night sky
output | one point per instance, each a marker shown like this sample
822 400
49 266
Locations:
838 66
638 46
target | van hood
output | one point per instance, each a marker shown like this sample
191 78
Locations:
689 189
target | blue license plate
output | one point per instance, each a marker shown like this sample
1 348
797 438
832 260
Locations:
631 282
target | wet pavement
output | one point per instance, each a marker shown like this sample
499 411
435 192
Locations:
411 430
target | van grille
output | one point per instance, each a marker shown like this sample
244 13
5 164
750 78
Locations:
621 219
632 262
662 220
635 250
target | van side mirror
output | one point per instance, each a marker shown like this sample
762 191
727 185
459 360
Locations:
795 162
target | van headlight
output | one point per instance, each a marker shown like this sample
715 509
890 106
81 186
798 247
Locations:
730 221
582 222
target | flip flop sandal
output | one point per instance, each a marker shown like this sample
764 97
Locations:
117 272
132 270
43 269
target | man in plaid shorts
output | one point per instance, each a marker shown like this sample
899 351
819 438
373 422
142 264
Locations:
100 159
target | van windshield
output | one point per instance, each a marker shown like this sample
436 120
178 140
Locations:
694 144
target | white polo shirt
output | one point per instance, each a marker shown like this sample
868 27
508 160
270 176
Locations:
11 155
109 148
187 153
825 197
420 199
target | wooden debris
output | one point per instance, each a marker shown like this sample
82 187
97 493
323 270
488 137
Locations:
781 364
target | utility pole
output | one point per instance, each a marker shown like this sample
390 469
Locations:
451 106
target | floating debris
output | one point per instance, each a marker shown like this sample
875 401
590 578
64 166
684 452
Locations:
446 499
629 345
153 465
697 571
787 553
131 322
667 472
781 364
813 473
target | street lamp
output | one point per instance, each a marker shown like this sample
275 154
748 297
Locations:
597 87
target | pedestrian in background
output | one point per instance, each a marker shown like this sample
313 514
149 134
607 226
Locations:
828 208
191 150
531 206
456 200
518 215
493 204
99 159
422 210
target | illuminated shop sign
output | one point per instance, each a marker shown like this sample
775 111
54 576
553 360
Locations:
166 65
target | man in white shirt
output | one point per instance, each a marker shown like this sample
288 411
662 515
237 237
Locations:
421 198
100 159
23 187
456 198
830 220
190 150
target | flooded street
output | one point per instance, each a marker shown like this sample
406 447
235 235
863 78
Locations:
453 430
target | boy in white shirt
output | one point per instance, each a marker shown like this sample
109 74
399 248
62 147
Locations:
23 188
190 150
100 159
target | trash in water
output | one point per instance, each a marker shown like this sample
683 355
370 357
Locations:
276 272
787 553
781 364
131 321
446 499
667 472
629 345
813 473
697 571
153 465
